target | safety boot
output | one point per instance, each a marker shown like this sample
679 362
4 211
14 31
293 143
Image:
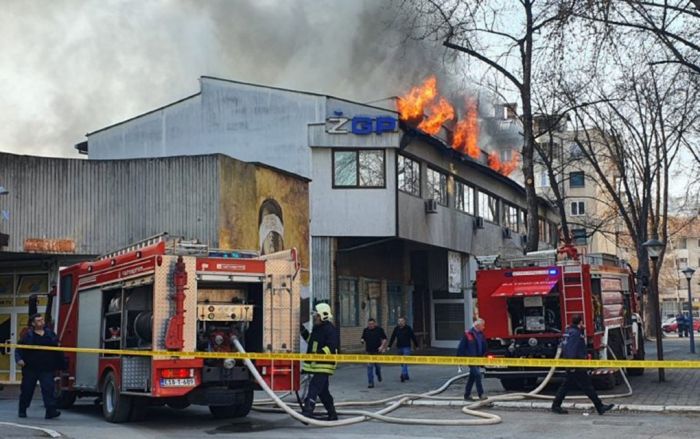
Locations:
308 408
332 415
604 408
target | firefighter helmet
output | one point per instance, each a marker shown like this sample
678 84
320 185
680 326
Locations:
324 311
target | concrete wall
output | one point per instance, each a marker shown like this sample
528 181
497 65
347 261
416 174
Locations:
351 212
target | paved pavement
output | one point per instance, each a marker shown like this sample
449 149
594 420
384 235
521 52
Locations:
84 421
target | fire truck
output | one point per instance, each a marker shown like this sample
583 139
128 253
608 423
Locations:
528 301
169 294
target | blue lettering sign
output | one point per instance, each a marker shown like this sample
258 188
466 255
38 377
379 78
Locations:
361 125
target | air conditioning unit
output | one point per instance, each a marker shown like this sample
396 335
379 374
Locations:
478 223
507 233
431 206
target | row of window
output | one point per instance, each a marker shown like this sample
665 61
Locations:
577 179
683 263
366 169
468 199
683 243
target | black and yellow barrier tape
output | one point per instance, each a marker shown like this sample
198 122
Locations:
387 359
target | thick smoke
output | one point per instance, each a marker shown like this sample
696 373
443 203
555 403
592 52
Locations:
73 67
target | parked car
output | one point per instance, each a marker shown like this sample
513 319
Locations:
670 325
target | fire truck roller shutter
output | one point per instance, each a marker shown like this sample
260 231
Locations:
89 332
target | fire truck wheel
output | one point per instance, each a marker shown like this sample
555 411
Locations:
233 411
66 399
115 406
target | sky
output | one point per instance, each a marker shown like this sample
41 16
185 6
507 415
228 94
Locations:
71 67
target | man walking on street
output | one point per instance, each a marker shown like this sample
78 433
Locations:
403 334
473 344
574 347
38 366
374 339
323 340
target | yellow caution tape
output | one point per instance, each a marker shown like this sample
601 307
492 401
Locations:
388 359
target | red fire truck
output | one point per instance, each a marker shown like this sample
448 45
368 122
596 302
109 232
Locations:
168 294
527 302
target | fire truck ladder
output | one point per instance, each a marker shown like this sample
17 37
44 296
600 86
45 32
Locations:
137 245
572 286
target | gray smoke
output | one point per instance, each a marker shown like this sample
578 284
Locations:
72 67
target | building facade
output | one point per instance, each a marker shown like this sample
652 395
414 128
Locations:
397 217
61 211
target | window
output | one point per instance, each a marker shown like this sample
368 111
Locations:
682 263
437 186
510 216
67 289
578 208
544 179
523 222
579 236
349 300
395 301
464 197
363 168
683 243
577 179
488 207
409 175
544 230
575 151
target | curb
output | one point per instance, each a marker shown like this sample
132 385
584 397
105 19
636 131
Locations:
589 406
47 431
568 405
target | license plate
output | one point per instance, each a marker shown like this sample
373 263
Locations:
177 382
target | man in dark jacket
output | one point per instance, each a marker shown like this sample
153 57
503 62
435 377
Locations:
374 339
680 324
403 334
38 366
323 340
574 347
473 344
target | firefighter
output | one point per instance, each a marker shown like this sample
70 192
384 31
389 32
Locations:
574 347
38 366
323 340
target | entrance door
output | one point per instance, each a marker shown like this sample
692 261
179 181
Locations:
449 322
6 336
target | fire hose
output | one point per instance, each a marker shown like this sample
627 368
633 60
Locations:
394 402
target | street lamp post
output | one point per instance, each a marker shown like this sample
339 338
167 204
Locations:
688 272
654 248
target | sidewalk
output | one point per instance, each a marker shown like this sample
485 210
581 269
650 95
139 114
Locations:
679 389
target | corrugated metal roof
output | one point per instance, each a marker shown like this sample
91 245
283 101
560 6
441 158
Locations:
105 204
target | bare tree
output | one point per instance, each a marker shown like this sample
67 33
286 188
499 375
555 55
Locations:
673 24
644 125
503 37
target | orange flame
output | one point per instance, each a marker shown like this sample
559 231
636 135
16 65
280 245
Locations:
424 98
411 106
466 132
505 168
438 113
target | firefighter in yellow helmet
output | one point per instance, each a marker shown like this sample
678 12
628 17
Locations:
323 340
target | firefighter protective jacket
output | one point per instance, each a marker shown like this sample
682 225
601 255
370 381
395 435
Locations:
573 345
323 340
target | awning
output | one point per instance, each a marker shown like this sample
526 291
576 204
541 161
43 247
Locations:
531 288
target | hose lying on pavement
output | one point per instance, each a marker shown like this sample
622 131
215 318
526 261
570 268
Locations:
395 402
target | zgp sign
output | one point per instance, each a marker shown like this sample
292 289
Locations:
361 125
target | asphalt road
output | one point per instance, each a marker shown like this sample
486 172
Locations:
85 420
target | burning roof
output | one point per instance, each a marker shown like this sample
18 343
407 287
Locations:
425 108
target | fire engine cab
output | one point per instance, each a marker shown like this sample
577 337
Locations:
169 294
527 302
